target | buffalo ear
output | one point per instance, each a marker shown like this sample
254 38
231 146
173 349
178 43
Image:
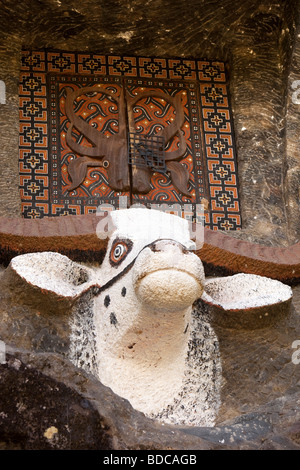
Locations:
46 280
247 301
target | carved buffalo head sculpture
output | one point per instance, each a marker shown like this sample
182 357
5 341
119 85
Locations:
134 321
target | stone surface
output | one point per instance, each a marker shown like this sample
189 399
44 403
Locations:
259 365
260 391
258 40
260 402
74 411
10 204
39 412
292 150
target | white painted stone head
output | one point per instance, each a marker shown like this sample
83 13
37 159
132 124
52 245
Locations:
143 318
133 319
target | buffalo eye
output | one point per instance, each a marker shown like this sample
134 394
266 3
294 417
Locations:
119 250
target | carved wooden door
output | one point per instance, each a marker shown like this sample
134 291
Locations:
156 130
137 140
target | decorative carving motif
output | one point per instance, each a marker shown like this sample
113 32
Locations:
47 162
114 147
180 176
146 151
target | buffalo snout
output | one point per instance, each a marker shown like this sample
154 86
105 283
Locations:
167 276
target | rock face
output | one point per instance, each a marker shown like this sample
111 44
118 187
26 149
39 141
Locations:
47 403
46 338
39 412
260 43
260 390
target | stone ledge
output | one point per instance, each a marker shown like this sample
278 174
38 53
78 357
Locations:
75 236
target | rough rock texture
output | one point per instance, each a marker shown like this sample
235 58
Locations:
45 399
260 42
47 403
292 164
10 203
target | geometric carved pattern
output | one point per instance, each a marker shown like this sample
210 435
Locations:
45 157
146 151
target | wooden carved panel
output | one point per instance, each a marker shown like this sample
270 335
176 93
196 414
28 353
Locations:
78 110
